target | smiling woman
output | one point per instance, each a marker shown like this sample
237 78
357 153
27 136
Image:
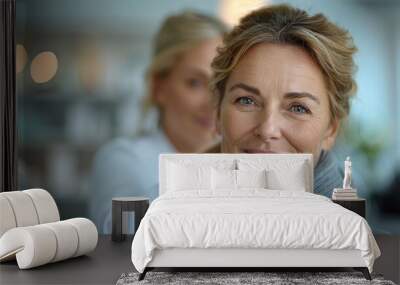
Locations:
178 78
282 106
283 81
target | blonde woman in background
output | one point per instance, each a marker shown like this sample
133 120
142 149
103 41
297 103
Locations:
178 80
283 81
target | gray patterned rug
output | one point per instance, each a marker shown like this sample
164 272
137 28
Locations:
225 278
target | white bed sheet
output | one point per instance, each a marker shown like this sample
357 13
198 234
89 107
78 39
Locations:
251 218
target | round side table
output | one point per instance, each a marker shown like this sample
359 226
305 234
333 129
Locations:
139 205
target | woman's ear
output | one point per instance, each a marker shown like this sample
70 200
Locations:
330 135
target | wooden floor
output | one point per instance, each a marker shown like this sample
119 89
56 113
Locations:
110 260
389 262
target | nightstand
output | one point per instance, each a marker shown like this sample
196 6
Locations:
139 205
355 205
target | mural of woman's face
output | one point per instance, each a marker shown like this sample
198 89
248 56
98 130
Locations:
188 116
276 101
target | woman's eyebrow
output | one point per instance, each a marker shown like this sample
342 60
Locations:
292 95
194 71
246 87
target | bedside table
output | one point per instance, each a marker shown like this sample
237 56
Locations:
355 205
139 205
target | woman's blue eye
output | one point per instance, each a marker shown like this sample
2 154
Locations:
299 109
194 83
245 101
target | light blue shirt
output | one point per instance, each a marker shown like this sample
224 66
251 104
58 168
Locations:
125 167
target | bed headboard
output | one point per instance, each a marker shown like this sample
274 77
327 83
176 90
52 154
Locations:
272 160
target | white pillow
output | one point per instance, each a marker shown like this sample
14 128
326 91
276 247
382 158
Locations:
282 174
293 180
188 177
251 178
227 179
223 179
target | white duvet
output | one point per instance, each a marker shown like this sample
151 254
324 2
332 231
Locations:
251 218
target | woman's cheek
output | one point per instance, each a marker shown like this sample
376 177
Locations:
184 105
236 127
304 136
232 123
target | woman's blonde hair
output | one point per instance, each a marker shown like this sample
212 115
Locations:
178 33
331 47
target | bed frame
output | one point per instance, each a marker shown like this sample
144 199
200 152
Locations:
260 259
248 259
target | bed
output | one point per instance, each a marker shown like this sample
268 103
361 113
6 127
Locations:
245 211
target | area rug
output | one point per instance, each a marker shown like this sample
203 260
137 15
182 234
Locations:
229 278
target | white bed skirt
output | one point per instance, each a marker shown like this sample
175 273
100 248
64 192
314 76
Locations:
236 257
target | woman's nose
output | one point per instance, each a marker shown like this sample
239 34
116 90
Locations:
269 126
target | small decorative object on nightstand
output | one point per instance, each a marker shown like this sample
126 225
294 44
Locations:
347 173
347 196
356 205
347 192
139 205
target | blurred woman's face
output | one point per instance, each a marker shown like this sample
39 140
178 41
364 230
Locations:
188 117
276 101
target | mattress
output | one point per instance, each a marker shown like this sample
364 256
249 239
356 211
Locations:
250 219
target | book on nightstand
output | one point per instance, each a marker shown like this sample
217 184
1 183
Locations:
344 194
